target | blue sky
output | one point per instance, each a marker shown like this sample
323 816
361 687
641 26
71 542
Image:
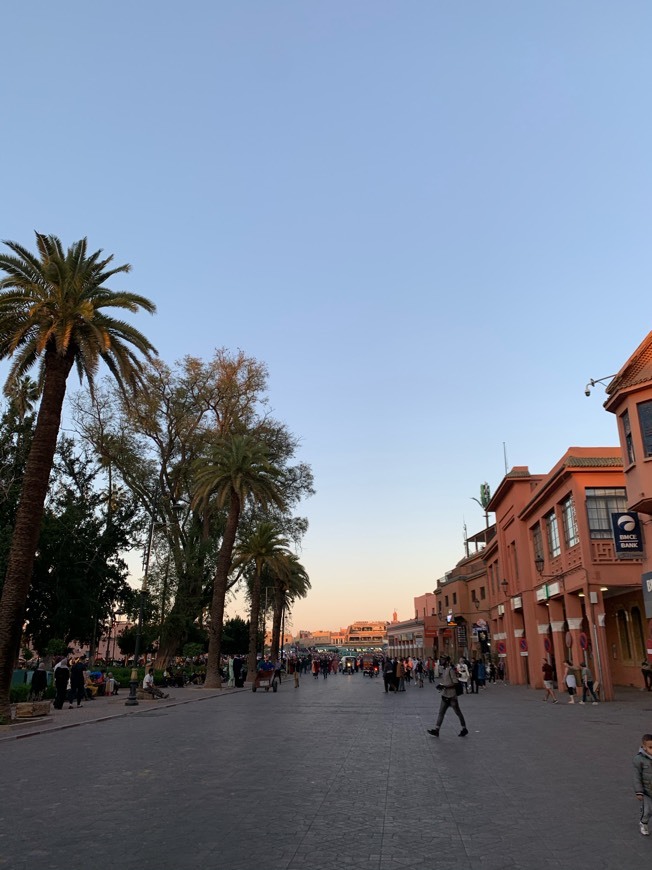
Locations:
431 220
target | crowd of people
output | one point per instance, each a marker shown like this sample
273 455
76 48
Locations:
473 674
74 682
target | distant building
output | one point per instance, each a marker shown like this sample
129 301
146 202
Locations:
360 635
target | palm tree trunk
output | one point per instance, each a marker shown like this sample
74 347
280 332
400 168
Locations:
213 676
254 617
279 597
29 515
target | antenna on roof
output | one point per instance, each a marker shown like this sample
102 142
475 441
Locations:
505 458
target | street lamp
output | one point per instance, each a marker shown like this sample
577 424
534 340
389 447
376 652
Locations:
539 563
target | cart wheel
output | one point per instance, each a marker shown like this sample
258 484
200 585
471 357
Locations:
253 688
267 689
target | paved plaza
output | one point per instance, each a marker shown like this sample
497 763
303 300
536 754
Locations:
335 775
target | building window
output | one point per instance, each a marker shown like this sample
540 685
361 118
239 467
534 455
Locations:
600 504
537 542
571 535
627 435
454 597
483 593
552 528
645 422
446 601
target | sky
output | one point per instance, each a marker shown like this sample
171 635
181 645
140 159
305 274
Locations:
430 220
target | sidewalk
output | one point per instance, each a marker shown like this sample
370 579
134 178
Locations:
100 709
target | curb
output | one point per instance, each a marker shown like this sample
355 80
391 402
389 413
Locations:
219 693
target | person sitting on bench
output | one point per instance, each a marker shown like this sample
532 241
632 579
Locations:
150 688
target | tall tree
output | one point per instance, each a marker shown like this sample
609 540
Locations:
80 575
53 311
289 584
237 471
264 548
154 443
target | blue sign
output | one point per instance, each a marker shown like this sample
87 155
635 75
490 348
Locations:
628 537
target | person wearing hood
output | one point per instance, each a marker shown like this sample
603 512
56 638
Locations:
39 683
61 677
643 782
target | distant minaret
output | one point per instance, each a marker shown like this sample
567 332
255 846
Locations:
395 617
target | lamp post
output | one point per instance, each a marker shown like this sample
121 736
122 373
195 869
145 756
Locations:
132 701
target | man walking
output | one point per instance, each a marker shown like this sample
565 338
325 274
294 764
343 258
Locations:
448 683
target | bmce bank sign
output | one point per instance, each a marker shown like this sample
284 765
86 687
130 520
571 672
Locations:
628 537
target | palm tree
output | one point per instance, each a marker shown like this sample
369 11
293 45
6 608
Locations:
289 585
23 394
264 548
237 470
52 311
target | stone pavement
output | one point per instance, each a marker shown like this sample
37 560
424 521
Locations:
336 775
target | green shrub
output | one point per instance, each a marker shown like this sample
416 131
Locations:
18 694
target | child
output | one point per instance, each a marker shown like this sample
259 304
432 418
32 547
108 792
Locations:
643 781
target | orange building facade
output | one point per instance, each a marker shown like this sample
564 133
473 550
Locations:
630 400
545 582
558 589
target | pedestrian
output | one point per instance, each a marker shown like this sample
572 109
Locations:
646 670
474 676
388 675
463 675
587 684
448 685
482 675
501 671
39 683
571 681
238 676
548 685
77 682
400 675
643 781
61 677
